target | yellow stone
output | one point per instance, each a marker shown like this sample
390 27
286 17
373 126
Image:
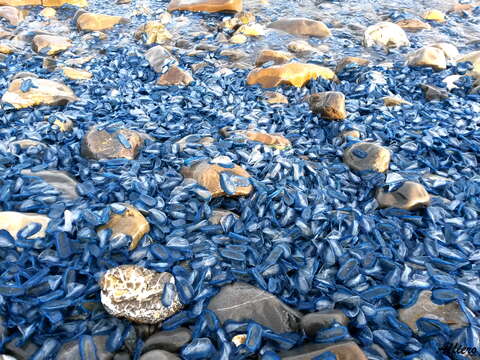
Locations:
6 49
434 15
58 3
239 339
238 39
296 74
76 74
155 31
98 22
251 30
64 126
48 12
131 222
54 44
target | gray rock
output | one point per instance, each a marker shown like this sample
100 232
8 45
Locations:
219 214
158 56
346 350
313 322
159 355
367 156
61 180
71 351
122 356
241 302
329 104
24 352
168 340
433 93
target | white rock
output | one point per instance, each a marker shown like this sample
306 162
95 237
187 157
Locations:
385 34
450 50
428 56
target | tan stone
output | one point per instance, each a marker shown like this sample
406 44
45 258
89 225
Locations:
206 5
385 34
11 14
100 144
474 58
300 46
278 57
351 133
175 76
342 64
49 64
54 44
277 141
251 30
48 12
6 49
155 32
367 156
46 92
60 180
233 54
428 56
58 3
13 222
413 25
20 2
219 214
80 60
98 22
449 314
66 125
410 196
238 39
239 339
450 50
434 15
329 104
131 223
394 101
207 174
194 139
76 74
301 26
296 74
274 97
135 293
461 8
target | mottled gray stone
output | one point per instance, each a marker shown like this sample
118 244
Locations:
243 302
313 322
61 180
159 355
71 351
347 350
24 352
168 340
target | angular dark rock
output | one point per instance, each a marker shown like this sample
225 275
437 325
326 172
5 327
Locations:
313 322
242 302
346 350
170 341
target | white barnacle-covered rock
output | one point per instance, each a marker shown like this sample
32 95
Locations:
385 34
135 293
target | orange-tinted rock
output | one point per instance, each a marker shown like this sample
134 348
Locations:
351 133
44 92
208 174
413 25
20 2
278 57
11 14
53 44
100 144
76 74
277 141
206 5
329 104
342 64
98 22
130 222
274 97
301 26
175 76
474 58
296 74
409 196
394 101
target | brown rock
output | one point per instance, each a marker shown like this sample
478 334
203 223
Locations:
58 3
98 22
131 222
207 174
239 339
413 25
450 313
76 74
219 214
13 222
278 57
277 141
11 14
351 133
274 97
461 8
53 44
60 180
428 56
64 125
329 104
194 139
155 32
49 64
394 101
434 93
100 144
345 350
300 47
158 56
301 26
206 5
367 156
175 76
296 74
410 196
251 30
46 92
80 60
135 293
342 64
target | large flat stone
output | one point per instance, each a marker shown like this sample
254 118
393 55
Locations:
206 5
13 222
301 26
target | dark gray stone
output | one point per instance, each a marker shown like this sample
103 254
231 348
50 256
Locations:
20 352
122 356
71 351
61 180
313 322
346 350
433 93
159 355
242 302
168 340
